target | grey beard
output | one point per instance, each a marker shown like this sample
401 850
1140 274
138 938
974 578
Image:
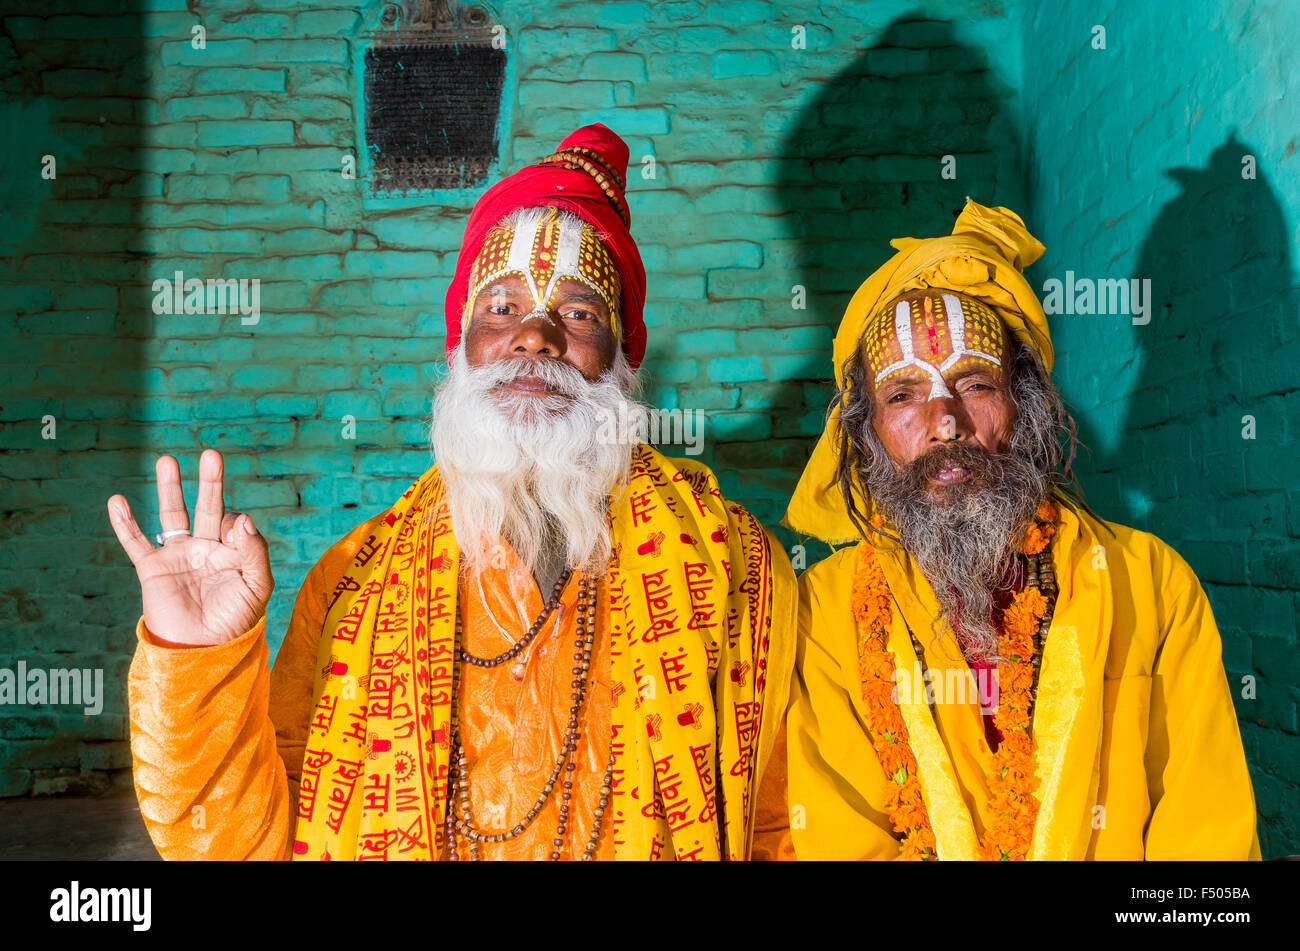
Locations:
963 537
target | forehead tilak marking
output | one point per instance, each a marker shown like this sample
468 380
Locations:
521 253
955 318
566 255
957 328
546 251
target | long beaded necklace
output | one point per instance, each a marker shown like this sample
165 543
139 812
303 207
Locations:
517 671
1042 576
458 818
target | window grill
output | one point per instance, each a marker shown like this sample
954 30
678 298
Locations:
433 87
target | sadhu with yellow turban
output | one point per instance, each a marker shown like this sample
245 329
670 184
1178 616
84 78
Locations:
990 671
557 643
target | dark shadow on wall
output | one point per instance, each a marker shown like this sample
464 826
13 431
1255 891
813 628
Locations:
73 281
864 164
1218 258
1214 367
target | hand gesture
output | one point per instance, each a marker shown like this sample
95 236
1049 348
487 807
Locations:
203 588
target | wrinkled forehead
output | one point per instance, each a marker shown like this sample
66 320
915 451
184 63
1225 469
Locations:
935 332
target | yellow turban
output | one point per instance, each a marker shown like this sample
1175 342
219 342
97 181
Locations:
982 258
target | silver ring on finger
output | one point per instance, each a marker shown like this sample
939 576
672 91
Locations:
162 537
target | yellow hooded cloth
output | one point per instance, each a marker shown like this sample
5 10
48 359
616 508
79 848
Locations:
984 257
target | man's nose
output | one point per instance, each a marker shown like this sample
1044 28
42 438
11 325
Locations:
946 421
538 335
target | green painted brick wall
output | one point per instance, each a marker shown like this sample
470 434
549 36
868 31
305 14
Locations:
774 167
1147 182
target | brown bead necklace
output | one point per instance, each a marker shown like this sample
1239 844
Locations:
1042 576
458 821
547 610
606 179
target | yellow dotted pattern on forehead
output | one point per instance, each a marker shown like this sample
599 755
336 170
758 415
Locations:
597 268
491 260
552 257
978 339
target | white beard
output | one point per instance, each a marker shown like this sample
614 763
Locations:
534 472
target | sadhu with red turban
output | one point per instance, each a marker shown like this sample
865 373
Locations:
557 643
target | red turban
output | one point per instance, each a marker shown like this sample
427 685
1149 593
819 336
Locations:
563 184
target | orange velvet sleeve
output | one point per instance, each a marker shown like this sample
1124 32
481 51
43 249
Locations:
217 740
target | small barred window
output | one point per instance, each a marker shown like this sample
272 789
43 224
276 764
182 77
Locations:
433 85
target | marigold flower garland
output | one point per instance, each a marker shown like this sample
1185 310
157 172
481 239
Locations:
1012 803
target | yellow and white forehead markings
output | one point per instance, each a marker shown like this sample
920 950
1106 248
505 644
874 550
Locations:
963 332
519 258
544 249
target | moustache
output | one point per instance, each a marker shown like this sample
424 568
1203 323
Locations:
562 377
979 462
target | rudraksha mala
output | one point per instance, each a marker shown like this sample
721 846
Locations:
458 821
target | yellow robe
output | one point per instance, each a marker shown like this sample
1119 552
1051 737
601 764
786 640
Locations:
1138 750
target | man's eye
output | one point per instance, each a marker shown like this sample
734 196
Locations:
899 397
502 309
580 315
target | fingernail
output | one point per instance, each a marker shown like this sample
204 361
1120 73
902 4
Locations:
248 526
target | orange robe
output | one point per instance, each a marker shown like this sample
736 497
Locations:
513 730
218 741
210 784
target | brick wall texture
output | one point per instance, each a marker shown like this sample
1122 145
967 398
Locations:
776 148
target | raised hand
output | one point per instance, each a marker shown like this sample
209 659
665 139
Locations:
204 588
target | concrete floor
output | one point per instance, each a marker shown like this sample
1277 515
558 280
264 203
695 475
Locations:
74 827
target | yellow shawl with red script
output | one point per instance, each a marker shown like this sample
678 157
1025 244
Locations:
701 605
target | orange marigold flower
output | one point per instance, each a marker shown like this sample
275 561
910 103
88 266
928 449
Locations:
878 666
879 696
1019 678
1030 601
891 758
1017 742
917 844
1012 781
1040 532
1017 632
909 850
1033 542
908 816
1010 716
911 790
